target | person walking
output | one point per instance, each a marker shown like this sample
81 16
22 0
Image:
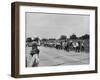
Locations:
35 55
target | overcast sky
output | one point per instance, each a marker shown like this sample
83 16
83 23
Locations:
54 25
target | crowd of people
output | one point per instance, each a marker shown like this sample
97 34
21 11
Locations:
75 45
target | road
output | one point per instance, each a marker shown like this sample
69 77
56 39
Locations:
53 57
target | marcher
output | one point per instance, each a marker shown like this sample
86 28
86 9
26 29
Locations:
35 55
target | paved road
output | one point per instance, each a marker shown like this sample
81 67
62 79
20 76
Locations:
54 57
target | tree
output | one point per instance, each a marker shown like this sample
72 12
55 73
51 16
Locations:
29 39
86 36
44 39
36 39
52 39
63 37
73 36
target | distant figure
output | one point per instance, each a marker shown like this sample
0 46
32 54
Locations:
82 46
35 55
76 46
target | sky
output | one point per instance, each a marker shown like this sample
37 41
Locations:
45 25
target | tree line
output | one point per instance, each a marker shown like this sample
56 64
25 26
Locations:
62 37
